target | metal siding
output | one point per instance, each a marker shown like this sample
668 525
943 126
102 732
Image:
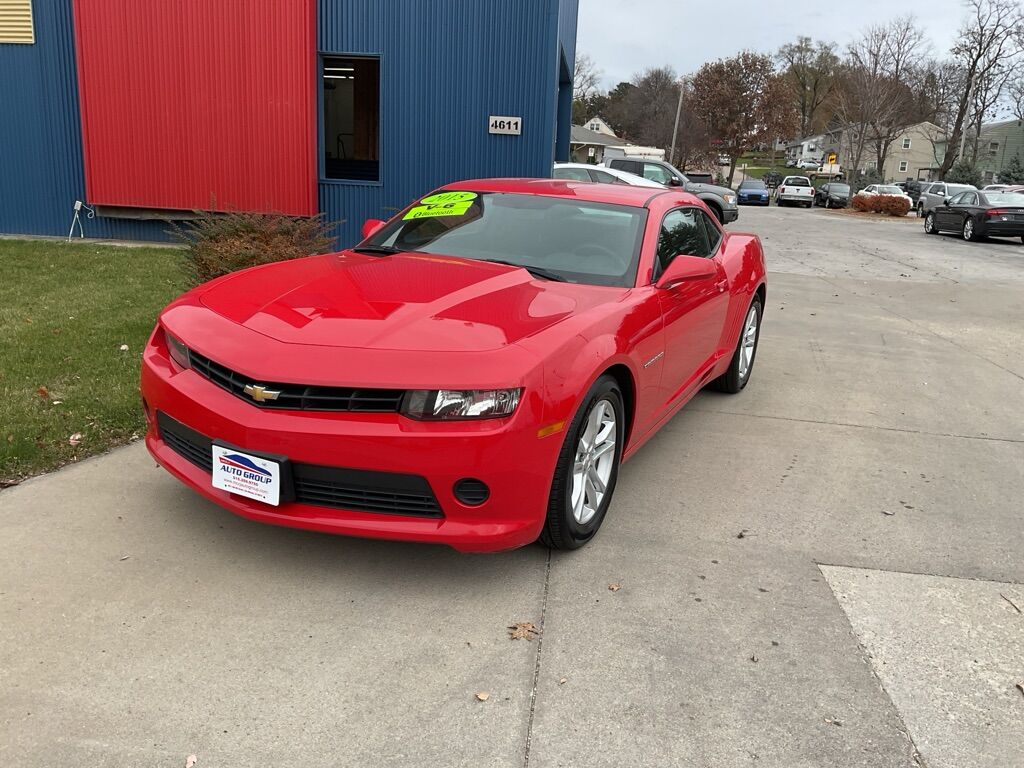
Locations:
16 21
445 67
198 105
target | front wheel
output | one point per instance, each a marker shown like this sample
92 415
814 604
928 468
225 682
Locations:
920 211
742 363
587 469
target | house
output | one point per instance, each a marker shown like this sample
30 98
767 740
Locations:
911 155
587 146
598 125
806 148
997 145
149 111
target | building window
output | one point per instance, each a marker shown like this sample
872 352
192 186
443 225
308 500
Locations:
903 166
993 147
351 129
906 143
16 22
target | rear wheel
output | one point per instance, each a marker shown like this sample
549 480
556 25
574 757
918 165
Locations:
969 232
587 469
929 224
742 363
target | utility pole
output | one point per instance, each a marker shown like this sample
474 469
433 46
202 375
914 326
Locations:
675 128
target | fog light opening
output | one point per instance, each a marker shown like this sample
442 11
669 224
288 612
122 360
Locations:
472 492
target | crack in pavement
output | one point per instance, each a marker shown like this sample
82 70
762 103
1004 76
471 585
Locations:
1011 440
536 666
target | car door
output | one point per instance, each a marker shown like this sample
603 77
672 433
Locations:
946 216
694 310
960 207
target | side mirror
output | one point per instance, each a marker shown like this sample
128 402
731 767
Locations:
372 226
946 201
684 268
674 182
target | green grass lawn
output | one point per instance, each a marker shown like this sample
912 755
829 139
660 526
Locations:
65 312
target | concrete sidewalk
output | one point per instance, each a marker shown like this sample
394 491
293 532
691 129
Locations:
882 434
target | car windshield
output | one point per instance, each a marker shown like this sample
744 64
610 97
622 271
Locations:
1005 198
752 184
572 240
888 189
839 188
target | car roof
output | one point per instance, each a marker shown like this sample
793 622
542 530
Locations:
618 194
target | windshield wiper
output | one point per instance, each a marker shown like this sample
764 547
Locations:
377 250
540 272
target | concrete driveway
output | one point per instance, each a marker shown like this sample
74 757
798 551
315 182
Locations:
825 570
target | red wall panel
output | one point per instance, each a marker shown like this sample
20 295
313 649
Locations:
199 104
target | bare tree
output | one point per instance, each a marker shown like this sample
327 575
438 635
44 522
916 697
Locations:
990 38
854 109
809 70
1015 90
585 78
988 94
885 58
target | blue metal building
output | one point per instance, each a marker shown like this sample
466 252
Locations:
423 79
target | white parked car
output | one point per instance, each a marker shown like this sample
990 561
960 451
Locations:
889 190
600 174
795 190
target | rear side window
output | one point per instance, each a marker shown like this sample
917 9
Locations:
572 174
604 177
630 166
682 232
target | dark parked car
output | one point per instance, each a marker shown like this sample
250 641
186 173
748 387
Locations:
916 188
753 192
975 215
835 194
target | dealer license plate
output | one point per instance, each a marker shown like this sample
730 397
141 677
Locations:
251 476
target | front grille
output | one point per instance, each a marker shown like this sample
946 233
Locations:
300 397
358 490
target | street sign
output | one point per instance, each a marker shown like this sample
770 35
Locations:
832 157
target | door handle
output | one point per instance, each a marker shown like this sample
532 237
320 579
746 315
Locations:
721 285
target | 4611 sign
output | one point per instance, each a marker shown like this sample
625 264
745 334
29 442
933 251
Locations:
509 126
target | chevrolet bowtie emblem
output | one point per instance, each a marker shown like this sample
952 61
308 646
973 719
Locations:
261 394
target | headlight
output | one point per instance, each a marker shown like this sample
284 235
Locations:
447 404
729 199
177 350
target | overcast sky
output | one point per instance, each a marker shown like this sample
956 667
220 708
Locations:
626 36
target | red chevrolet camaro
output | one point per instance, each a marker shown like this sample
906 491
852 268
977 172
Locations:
473 373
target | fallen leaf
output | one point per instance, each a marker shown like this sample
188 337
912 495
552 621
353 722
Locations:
75 439
523 630
124 557
190 761
753 658
123 347
44 393
56 402
563 681
614 587
483 696
887 512
833 721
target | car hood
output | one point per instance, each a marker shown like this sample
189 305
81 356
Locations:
696 188
413 302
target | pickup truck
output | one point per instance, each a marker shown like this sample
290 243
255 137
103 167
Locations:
721 200
795 190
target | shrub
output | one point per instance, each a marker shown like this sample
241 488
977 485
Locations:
892 205
887 204
861 202
963 172
219 244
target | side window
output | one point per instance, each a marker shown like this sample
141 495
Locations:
968 198
938 189
572 174
714 234
959 199
682 232
656 173
604 177
629 166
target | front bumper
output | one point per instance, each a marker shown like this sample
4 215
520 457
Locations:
730 215
754 200
506 454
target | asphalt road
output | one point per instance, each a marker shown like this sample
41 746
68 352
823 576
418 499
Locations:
820 571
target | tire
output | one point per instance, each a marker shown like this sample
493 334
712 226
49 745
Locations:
968 231
737 376
929 224
718 213
920 211
569 526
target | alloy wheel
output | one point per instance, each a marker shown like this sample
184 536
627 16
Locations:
929 223
748 342
968 229
595 458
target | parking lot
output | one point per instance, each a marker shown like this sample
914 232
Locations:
825 570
